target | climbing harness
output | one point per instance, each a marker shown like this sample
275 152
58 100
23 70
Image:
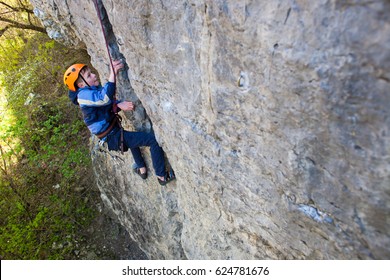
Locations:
114 105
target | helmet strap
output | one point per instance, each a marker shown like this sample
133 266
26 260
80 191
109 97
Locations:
84 80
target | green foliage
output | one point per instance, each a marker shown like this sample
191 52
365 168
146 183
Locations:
44 155
17 17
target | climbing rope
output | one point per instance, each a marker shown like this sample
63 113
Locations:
100 17
114 105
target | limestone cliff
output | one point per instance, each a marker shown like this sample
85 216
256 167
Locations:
274 115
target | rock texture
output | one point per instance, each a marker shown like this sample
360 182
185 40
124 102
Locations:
274 115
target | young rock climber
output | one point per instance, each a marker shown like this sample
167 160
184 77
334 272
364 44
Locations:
96 103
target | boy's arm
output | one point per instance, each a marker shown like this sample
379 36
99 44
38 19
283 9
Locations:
104 95
116 66
109 87
96 97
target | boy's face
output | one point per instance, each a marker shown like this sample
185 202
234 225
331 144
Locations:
89 77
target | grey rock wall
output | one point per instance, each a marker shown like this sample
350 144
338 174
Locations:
274 115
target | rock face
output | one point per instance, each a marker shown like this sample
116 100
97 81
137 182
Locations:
273 114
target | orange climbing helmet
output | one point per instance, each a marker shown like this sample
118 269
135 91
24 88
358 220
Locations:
72 74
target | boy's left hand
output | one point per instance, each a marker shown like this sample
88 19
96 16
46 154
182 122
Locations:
126 106
118 65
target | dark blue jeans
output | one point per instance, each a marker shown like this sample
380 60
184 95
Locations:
135 140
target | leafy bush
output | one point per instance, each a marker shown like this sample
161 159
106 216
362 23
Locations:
44 153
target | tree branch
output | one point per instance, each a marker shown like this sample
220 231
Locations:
15 24
2 31
22 8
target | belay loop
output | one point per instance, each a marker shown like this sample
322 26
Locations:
114 105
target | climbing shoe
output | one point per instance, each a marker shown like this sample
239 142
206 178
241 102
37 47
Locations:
142 175
168 177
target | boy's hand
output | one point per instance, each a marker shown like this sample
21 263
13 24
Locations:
117 65
126 106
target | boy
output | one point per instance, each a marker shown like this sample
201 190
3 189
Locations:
96 103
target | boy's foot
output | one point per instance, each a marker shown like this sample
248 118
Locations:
168 177
142 172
